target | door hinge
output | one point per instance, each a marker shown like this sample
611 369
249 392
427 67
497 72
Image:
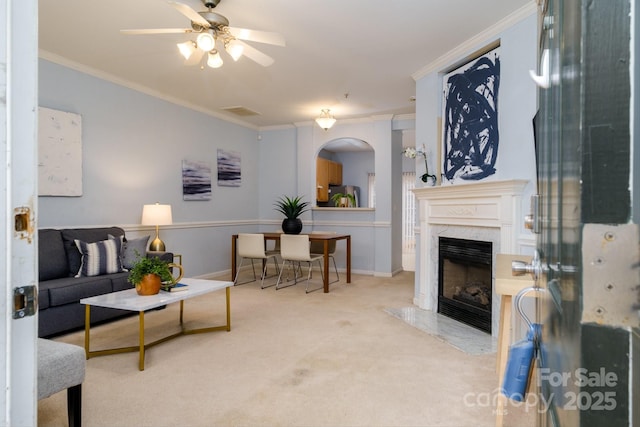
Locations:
25 301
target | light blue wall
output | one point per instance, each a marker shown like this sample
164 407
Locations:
396 201
517 106
278 169
372 231
133 146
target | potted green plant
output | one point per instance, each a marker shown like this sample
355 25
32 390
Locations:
344 200
292 208
148 274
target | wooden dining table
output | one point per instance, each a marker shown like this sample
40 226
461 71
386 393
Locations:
314 237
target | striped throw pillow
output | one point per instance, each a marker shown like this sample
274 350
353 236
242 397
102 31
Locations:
98 258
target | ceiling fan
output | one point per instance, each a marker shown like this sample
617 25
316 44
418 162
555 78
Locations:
213 31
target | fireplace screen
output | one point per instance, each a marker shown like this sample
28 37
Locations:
464 281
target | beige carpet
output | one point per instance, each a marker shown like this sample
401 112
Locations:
291 359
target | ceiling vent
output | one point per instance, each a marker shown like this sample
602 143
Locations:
241 111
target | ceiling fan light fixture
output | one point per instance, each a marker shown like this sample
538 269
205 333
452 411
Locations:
206 41
214 60
187 48
234 49
326 120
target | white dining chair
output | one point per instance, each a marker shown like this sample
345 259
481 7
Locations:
251 246
294 250
317 248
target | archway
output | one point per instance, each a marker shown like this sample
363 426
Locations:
345 165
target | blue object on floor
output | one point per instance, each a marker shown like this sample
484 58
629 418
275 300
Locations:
519 362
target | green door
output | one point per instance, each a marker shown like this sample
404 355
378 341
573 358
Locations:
587 240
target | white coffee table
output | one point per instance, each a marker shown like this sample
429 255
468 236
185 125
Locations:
130 300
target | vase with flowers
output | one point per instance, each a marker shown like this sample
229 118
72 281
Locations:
412 153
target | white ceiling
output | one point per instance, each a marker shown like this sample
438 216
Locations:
368 49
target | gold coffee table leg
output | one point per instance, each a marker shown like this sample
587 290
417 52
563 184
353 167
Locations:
87 328
141 361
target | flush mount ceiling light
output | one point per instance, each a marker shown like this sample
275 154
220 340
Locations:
326 120
211 27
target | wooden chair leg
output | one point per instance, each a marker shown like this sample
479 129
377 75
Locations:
504 339
74 405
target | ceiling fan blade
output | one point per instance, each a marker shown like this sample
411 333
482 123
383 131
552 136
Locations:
195 57
257 36
190 13
158 31
255 55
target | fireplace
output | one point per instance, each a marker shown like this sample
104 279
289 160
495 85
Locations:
485 211
464 281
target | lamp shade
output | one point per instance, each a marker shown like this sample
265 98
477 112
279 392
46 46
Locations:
187 48
156 214
214 60
234 49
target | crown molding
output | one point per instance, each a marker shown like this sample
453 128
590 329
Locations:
57 59
484 37
410 116
276 127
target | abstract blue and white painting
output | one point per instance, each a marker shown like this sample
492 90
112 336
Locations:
470 119
196 180
229 169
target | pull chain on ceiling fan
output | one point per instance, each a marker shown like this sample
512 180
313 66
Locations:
213 30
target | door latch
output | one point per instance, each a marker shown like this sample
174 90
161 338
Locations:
25 301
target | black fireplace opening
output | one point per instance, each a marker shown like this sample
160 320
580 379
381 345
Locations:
464 281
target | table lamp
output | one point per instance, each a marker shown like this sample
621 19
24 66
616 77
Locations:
157 215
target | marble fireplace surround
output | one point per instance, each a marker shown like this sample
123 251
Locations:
486 211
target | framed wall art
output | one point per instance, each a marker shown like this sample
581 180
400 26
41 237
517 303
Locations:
229 169
59 153
470 119
196 180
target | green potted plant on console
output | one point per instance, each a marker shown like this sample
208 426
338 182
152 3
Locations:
292 208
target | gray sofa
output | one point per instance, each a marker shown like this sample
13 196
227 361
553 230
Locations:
60 291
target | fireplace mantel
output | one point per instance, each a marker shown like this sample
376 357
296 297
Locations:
494 206
490 204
